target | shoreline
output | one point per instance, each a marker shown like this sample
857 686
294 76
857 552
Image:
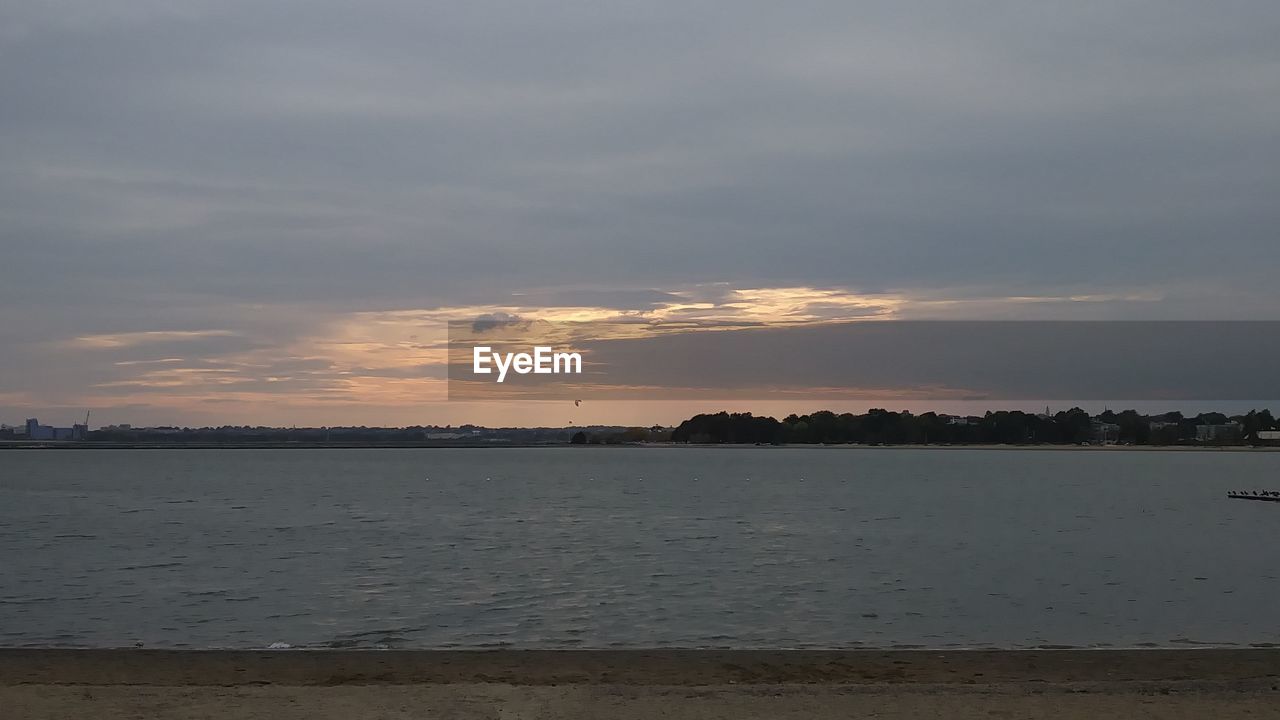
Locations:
20 666
638 684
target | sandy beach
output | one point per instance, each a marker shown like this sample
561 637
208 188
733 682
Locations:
47 684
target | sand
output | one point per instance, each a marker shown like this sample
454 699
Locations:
281 685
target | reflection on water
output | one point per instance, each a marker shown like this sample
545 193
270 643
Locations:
635 547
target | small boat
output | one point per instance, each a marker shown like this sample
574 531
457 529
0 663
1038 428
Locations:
1264 495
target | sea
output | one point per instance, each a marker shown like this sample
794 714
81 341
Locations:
637 547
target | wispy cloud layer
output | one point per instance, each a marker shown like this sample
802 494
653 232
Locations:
327 363
144 337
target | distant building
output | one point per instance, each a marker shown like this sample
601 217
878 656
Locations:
1211 433
1270 435
446 435
36 431
1105 433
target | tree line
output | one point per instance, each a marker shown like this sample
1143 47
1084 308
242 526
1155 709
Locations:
1012 427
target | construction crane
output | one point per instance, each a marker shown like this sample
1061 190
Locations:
81 432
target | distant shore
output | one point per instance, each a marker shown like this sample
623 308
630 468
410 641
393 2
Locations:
679 684
74 445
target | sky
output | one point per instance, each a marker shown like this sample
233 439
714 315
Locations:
266 212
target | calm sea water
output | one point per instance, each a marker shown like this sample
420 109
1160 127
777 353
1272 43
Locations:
636 547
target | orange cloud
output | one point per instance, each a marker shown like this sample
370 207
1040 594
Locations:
394 360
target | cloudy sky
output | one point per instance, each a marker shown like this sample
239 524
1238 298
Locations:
264 212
